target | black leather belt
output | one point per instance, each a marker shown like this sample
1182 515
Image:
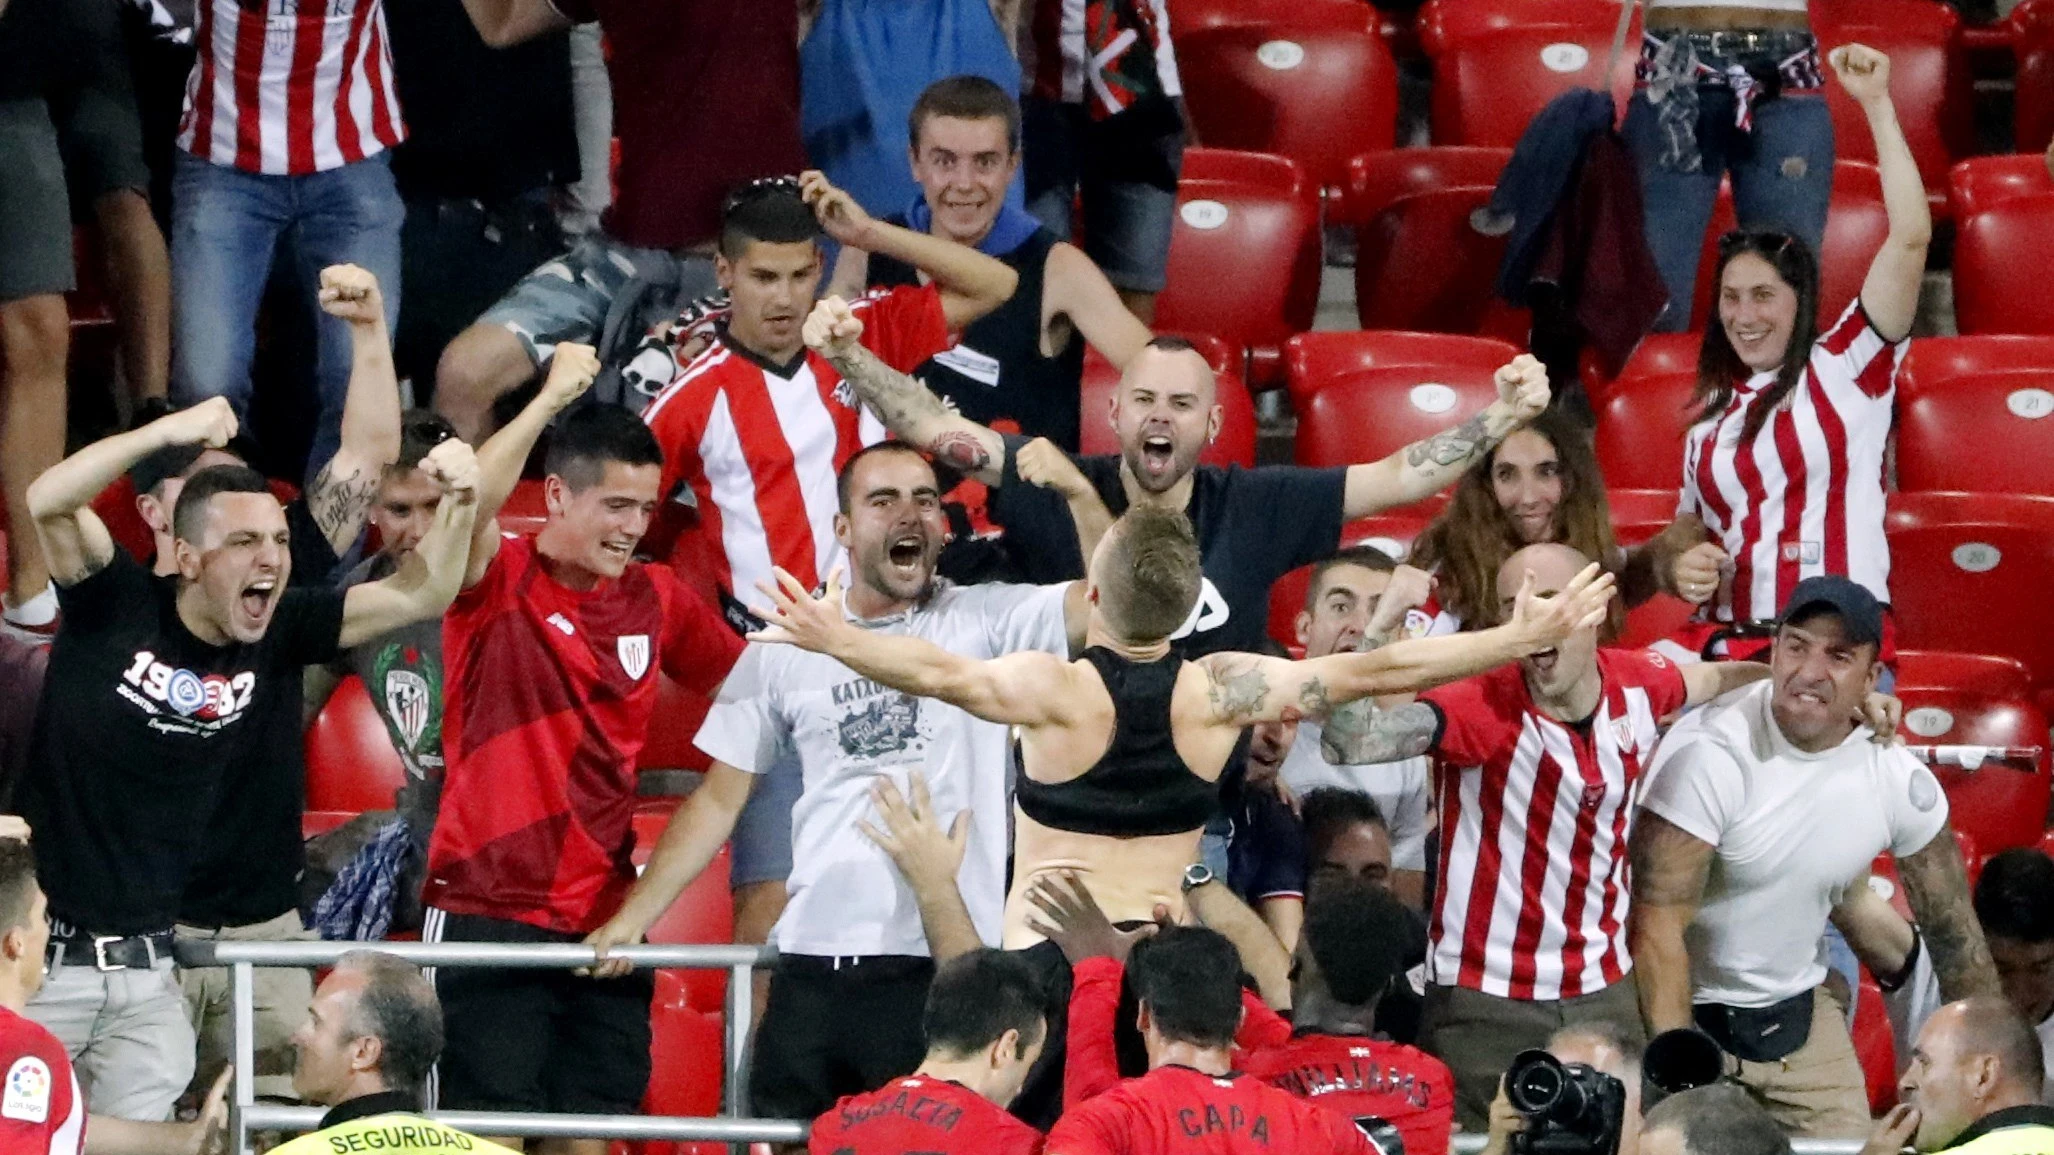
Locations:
107 952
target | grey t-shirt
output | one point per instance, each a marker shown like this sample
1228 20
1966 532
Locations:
402 673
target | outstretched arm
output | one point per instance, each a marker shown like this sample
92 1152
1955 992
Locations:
908 408
571 371
1425 468
970 283
1708 680
1670 867
1243 689
432 577
1890 291
75 542
346 486
1028 688
697 830
1936 886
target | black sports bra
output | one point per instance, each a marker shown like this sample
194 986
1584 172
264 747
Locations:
1140 786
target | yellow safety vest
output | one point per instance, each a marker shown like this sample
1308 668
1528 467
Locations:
385 1134
2026 1138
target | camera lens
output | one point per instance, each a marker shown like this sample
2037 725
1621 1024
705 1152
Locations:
1535 1083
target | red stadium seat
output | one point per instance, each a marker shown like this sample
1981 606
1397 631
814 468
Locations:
1657 356
1969 571
1244 260
1362 396
2000 804
1445 23
1982 181
1641 421
672 727
1420 264
1929 83
1875 1045
1236 442
1985 674
1392 533
704 913
1995 393
686 1067
1318 95
351 764
1188 16
1487 86
2032 24
1999 254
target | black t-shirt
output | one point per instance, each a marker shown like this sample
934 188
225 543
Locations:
1253 525
139 729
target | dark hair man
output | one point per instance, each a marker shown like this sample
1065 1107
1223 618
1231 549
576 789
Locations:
1024 361
984 1030
1718 1119
1972 1085
160 695
2014 902
1782 788
1253 525
372 1035
552 652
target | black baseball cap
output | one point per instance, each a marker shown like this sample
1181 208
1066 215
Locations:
1861 615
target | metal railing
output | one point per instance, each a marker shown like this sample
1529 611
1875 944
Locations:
733 1126
1472 1143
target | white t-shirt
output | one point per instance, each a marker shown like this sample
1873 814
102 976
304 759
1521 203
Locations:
1793 831
846 730
1403 791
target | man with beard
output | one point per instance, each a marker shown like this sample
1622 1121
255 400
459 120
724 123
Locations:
158 690
854 963
1253 525
1548 754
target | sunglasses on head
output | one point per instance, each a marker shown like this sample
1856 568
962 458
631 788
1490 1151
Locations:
759 188
1775 245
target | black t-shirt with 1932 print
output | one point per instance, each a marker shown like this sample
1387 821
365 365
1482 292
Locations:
139 724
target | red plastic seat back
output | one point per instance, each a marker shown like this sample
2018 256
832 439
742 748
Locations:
351 764
1363 396
686 1074
1318 95
1875 1045
1244 261
1658 355
1986 674
1488 86
1641 423
2000 255
703 913
1969 572
1445 23
2033 25
2000 804
1236 442
1979 182
1420 264
1995 393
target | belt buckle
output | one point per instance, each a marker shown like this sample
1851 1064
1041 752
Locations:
100 962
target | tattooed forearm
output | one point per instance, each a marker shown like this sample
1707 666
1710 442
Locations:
1360 734
1235 690
337 503
962 451
901 400
1936 886
1452 447
1313 698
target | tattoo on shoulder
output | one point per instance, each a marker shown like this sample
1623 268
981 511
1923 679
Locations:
1235 692
1455 446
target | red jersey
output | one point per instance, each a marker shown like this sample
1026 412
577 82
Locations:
41 1110
1177 1109
547 705
760 445
1389 1089
1534 812
918 1113
290 87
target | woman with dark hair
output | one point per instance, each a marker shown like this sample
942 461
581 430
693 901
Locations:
1541 484
1784 462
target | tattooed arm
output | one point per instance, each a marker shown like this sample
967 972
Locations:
1936 886
1361 734
1670 867
908 408
1424 468
346 485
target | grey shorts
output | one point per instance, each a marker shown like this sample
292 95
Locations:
35 210
1126 223
127 1034
761 846
601 293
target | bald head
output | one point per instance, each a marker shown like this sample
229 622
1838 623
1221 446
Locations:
1165 413
1554 566
1168 361
1987 1025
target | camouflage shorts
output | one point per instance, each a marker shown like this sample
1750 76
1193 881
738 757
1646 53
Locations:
597 294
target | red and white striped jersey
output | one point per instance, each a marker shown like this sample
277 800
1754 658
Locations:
41 1110
289 87
1806 497
1534 820
759 445
1053 57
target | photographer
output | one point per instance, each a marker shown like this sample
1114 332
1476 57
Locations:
1587 1090
1604 1050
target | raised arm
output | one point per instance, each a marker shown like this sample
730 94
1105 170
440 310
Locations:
75 542
970 283
1243 689
1708 680
431 578
1040 463
1670 867
1425 468
697 830
1075 288
1678 561
908 408
504 23
1890 291
572 369
1028 688
346 486
1936 886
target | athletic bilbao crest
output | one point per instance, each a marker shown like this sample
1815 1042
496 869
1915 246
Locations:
634 654
1622 734
408 704
408 682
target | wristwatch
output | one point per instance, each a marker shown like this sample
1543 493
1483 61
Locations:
1196 875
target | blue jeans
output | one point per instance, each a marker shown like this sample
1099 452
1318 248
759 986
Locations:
225 226
1784 182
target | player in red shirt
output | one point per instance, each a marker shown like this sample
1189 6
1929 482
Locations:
984 1030
1192 1101
553 651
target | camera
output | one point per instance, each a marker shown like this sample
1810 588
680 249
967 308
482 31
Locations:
1570 1109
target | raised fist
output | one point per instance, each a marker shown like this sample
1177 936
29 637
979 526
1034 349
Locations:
351 293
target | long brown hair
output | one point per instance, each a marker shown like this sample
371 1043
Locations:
1469 542
1719 367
